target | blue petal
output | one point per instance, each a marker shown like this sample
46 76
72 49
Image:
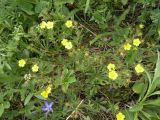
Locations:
46 104
50 104
45 109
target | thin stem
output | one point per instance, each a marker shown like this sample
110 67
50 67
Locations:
75 110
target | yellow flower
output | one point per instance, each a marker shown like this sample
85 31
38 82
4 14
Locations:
113 75
136 42
35 68
120 116
68 45
64 42
127 46
69 23
43 25
49 88
111 67
49 25
21 63
141 26
44 94
139 68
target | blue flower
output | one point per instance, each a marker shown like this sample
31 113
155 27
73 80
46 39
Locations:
47 107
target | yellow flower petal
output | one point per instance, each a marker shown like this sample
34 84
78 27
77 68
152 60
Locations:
49 25
141 26
113 75
43 25
139 68
35 68
69 23
136 42
49 88
68 45
64 42
111 67
21 63
44 94
127 46
120 116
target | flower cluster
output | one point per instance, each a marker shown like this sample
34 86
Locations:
48 25
112 73
46 92
136 43
66 43
22 63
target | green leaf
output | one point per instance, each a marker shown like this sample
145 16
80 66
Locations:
124 2
39 97
87 6
1 109
28 98
157 69
6 104
156 78
41 5
65 88
155 93
155 102
26 7
136 108
138 87
122 17
147 115
129 115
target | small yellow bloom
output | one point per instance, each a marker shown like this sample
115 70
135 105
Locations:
127 46
113 75
49 25
44 94
21 63
139 68
64 42
120 116
43 25
111 66
69 23
68 45
35 68
136 42
49 88
141 26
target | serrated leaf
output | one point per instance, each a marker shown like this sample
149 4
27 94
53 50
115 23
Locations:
28 98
